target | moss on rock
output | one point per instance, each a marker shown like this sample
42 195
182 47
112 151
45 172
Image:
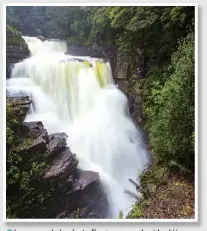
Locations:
14 37
16 47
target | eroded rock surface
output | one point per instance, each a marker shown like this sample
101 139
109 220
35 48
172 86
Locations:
57 142
67 191
62 166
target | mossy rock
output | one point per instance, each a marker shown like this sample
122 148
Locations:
14 38
16 48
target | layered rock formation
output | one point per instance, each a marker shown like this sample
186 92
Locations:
67 191
126 79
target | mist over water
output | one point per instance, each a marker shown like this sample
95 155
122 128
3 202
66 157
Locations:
77 95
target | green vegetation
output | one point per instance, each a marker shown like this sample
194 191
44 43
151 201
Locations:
21 172
14 38
61 22
170 125
137 209
121 215
170 109
165 194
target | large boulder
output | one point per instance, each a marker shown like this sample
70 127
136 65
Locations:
62 166
57 142
34 129
85 199
93 201
36 138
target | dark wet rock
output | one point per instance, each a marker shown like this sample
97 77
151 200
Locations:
38 146
20 106
15 54
57 142
9 68
84 178
92 201
35 140
35 129
64 190
14 101
86 199
32 149
62 166
60 134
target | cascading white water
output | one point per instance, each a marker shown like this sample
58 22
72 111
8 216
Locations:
36 46
77 95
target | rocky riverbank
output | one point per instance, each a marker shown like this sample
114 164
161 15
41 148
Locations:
54 186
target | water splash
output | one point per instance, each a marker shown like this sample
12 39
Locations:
77 95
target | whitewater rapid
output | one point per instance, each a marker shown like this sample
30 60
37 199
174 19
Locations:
77 95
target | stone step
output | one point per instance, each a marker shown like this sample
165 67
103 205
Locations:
34 130
63 165
56 143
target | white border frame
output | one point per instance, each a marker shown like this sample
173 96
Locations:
195 220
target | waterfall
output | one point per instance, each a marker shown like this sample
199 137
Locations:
36 46
77 95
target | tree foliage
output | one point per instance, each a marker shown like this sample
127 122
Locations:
170 109
51 22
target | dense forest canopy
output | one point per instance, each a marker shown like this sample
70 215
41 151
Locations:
50 22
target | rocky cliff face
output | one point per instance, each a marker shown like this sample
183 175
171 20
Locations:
127 80
66 191
16 49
